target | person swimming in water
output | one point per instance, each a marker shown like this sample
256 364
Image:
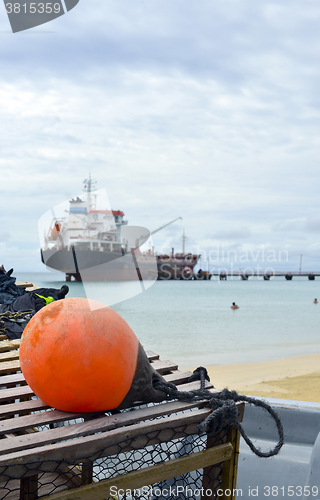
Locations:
234 306
315 301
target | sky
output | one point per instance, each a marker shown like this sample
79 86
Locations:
208 110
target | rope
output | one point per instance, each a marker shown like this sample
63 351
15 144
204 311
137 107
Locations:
224 409
14 317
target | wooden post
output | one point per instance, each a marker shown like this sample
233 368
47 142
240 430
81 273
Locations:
87 472
224 475
212 473
29 488
230 468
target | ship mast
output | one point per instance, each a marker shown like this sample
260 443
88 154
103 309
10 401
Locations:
88 188
184 238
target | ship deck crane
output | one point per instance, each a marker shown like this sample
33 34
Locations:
144 238
165 225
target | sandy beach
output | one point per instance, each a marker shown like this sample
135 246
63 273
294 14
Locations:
296 378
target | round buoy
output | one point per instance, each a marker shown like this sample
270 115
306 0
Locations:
77 359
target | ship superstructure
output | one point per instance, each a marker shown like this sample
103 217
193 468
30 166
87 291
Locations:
95 244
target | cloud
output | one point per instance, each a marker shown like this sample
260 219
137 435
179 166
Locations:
4 237
313 223
234 234
206 110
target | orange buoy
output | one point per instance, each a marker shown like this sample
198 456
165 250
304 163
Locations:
77 359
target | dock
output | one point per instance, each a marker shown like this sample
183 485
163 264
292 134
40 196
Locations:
223 275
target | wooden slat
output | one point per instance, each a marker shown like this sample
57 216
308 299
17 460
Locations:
13 379
177 377
149 475
102 423
194 386
29 488
112 442
78 430
229 471
163 366
230 468
4 337
9 367
35 420
8 356
9 345
22 407
152 355
211 475
15 393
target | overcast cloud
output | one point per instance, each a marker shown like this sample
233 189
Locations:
207 110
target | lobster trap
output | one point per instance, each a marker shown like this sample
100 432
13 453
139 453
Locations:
146 452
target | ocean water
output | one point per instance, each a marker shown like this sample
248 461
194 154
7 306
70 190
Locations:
191 323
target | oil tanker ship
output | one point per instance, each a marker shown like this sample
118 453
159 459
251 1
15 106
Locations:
93 244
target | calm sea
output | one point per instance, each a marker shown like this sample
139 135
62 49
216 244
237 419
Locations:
191 323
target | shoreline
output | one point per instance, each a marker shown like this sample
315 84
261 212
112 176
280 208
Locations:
296 378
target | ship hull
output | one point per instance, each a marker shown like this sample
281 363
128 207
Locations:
90 265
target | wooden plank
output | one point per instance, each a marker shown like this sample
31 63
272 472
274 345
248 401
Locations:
148 475
9 345
211 476
29 488
8 356
22 407
111 442
12 380
105 422
91 425
152 355
230 468
9 367
15 393
163 366
4 337
194 386
36 420
78 430
87 472
177 377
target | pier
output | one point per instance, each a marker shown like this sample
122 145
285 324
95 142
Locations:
223 275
